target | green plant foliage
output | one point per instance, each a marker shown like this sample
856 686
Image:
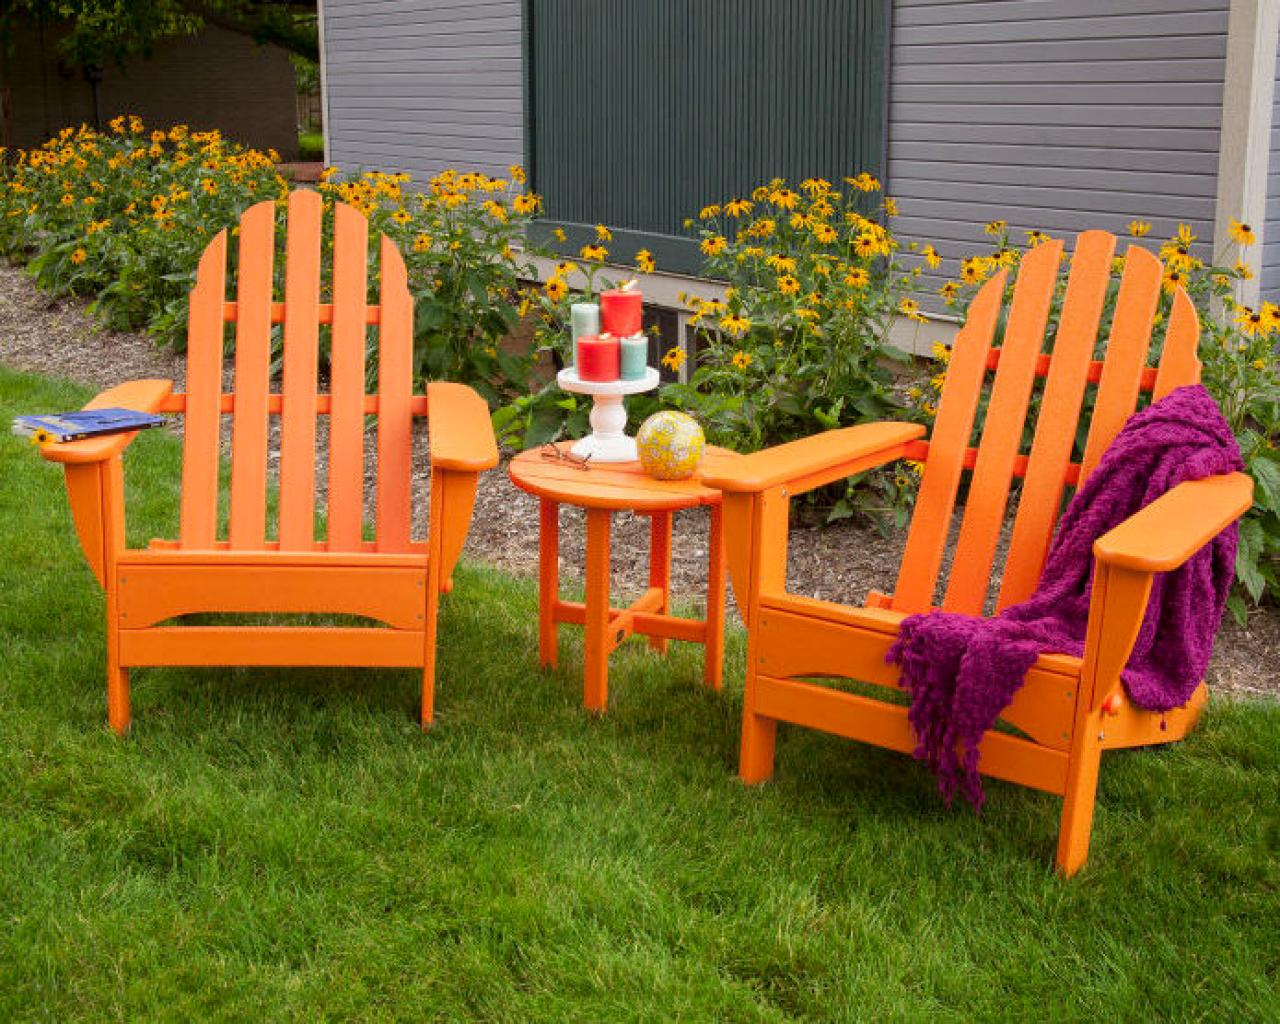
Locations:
1237 349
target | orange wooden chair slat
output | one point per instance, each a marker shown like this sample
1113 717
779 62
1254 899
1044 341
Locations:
1070 709
395 579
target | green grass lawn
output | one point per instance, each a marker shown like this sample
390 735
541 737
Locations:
288 845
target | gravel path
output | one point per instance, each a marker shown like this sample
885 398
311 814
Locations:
839 563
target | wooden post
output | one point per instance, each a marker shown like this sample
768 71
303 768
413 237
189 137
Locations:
596 675
548 583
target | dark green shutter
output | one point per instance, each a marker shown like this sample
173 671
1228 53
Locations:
643 111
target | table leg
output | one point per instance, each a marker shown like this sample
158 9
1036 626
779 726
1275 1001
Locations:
660 569
713 670
548 583
595 695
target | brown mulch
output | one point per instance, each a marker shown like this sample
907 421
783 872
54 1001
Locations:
840 562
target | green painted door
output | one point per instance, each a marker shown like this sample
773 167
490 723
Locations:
640 112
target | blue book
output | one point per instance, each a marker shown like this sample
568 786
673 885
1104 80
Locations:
73 426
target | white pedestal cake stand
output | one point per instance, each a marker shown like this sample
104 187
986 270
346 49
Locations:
607 441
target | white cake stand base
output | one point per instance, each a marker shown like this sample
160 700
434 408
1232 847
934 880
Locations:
608 441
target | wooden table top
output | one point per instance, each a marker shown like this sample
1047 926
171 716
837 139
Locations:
614 485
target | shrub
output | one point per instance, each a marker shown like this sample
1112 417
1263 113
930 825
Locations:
124 215
1241 371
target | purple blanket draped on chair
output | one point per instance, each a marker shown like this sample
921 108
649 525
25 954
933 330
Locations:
963 670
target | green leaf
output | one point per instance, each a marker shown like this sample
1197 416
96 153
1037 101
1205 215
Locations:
1266 477
1248 554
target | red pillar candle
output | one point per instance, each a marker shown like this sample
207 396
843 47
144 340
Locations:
597 357
620 311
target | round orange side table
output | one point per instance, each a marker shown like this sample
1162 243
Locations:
602 489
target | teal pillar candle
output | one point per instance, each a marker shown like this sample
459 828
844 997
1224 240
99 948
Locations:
584 320
635 357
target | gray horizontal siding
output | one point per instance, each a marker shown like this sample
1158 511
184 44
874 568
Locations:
1053 116
421 85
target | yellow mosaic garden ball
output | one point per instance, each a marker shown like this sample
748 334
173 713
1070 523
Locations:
670 445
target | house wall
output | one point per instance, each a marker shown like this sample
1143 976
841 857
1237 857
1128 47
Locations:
217 79
1269 272
1051 115
422 86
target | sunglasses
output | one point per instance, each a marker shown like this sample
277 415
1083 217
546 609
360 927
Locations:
555 454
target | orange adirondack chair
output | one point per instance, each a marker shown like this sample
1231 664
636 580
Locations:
1071 709
393 579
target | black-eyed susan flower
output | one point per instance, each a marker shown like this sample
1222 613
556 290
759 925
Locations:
558 234
975 269
525 203
784 198
931 256
1172 279
949 290
1250 321
788 285
402 216
741 359
645 263
79 256
556 289
1241 233
911 310
738 207
996 227
890 207
594 253
714 245
1139 228
857 277
707 212
1036 237
603 234
421 242
674 358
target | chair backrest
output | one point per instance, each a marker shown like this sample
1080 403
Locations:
298 403
1047 468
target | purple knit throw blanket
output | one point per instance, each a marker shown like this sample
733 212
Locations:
963 670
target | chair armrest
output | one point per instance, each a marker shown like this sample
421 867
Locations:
1164 534
460 433
139 395
823 456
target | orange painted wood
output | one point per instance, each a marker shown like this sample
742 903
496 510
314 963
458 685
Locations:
142 395
394 579
1179 361
1047 467
1126 352
622 485
301 367
713 664
1002 433
150 594
1070 708
324 312
253 367
177 402
1162 536
927 535
395 420
347 360
885 725
271 645
548 582
660 567
647 623
200 448
595 695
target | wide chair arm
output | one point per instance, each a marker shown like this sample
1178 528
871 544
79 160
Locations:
813 461
1164 534
460 433
139 395
462 445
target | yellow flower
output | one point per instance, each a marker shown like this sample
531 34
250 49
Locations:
858 277
741 359
825 233
68 200
737 207
422 243
402 216
782 264
784 198
1036 237
1259 364
1243 270
674 358
1173 278
645 262
799 221
210 186
558 233
1250 321
949 291
1183 236
890 207
762 228
788 285
975 269
911 310
517 174
706 213
940 352
595 253
735 325
866 245
556 289
565 267
864 182
603 234
1241 233
526 203
1139 228
41 437
996 227
714 245
931 257
79 256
